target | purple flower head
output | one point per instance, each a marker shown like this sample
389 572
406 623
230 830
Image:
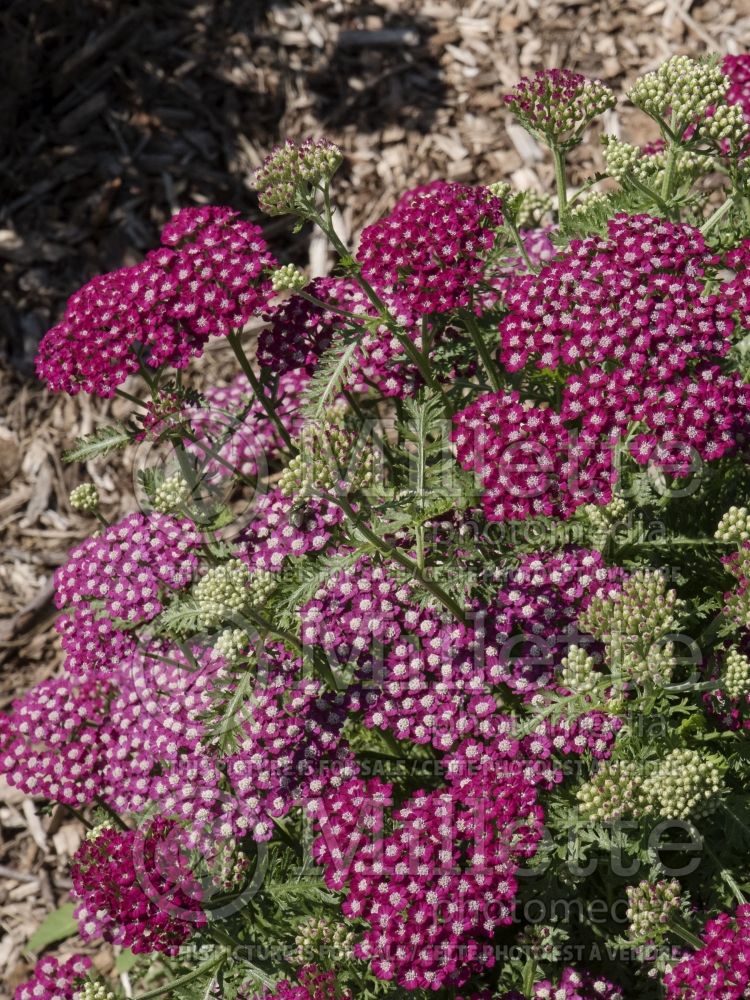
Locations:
55 979
720 970
135 889
125 571
206 280
430 254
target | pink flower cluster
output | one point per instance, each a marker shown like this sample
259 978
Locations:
54 979
206 280
439 881
737 68
223 443
300 331
430 254
285 746
135 889
126 569
575 984
356 607
720 970
282 529
624 323
312 984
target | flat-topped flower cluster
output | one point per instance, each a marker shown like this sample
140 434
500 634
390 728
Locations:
437 611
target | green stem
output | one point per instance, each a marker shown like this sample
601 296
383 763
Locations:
254 616
668 180
510 223
130 397
487 359
562 189
719 214
184 980
397 556
236 345
687 936
726 876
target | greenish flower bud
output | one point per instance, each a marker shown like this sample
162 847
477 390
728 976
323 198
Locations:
734 526
614 791
85 498
633 624
222 592
680 91
171 495
651 906
288 278
685 785
293 172
94 991
735 680
578 672
232 644
328 460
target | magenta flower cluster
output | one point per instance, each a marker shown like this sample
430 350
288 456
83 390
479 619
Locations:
126 570
737 68
55 979
625 327
435 882
720 970
430 254
312 984
206 280
577 984
136 889
281 529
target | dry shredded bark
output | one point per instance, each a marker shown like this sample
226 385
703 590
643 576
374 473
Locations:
113 114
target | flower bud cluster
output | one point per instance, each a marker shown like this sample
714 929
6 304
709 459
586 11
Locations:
633 623
231 644
578 672
614 791
734 526
288 278
223 590
601 520
532 208
651 905
94 991
328 460
261 585
85 498
726 124
682 87
736 678
319 937
292 172
684 785
171 495
556 105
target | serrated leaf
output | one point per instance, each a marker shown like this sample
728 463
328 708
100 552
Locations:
329 379
57 926
98 444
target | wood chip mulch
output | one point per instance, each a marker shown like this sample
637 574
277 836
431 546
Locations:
115 113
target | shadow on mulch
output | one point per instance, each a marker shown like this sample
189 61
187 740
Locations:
115 114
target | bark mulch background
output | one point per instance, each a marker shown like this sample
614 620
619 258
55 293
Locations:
113 114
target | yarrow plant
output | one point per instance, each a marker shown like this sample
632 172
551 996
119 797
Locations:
424 668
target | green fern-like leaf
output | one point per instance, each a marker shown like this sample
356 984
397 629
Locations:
330 378
100 443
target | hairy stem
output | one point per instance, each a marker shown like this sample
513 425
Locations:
236 345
